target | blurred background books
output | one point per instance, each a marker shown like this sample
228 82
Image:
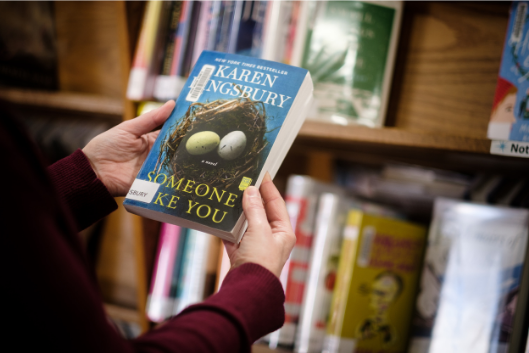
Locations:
398 139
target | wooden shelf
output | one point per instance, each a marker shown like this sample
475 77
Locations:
351 135
79 102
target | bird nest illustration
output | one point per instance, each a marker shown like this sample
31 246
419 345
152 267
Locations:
221 117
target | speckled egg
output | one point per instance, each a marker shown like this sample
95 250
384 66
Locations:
202 142
232 145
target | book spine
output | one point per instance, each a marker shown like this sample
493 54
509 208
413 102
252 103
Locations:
258 16
176 11
298 44
301 205
235 26
344 277
201 41
321 275
214 24
273 16
178 267
191 38
226 21
159 302
191 283
141 64
292 26
169 86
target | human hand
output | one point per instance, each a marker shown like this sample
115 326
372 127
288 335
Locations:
269 238
117 155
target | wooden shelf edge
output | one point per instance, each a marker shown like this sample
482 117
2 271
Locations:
81 102
326 132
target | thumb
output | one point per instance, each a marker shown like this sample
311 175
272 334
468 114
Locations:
149 121
253 208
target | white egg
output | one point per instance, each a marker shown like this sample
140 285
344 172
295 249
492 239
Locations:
202 142
232 145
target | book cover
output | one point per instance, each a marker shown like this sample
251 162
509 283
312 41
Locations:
509 119
28 45
471 278
321 274
372 304
235 119
350 52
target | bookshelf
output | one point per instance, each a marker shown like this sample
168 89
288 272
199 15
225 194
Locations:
441 98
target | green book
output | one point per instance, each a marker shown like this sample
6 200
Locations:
350 52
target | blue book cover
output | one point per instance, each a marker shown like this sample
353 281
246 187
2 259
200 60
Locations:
510 112
234 120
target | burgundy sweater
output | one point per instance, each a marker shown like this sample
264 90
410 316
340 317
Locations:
50 295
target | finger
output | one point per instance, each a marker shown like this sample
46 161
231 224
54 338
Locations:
230 247
149 121
254 209
275 207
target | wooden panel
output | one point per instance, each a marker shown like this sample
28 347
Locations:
348 135
447 69
116 265
81 102
88 46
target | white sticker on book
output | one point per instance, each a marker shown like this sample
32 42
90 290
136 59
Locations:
199 84
510 148
142 190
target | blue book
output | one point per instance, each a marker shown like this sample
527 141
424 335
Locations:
509 120
234 120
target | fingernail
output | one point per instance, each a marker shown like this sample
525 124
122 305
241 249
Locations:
267 177
251 191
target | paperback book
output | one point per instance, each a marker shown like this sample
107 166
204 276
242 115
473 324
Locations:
471 282
509 119
321 274
234 121
350 52
376 282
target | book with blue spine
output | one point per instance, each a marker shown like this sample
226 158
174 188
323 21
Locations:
234 120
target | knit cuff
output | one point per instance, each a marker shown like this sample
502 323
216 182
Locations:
77 184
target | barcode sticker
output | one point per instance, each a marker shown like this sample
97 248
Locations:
519 23
200 83
142 190
368 236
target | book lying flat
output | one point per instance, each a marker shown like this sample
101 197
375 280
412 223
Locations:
235 120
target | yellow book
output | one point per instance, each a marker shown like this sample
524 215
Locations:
378 272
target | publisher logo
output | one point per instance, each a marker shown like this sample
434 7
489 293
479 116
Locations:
245 182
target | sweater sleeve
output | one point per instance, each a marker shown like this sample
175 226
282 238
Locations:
84 194
248 306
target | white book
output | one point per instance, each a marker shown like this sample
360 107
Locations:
323 265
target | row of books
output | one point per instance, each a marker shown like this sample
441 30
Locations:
184 271
361 278
352 280
348 47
